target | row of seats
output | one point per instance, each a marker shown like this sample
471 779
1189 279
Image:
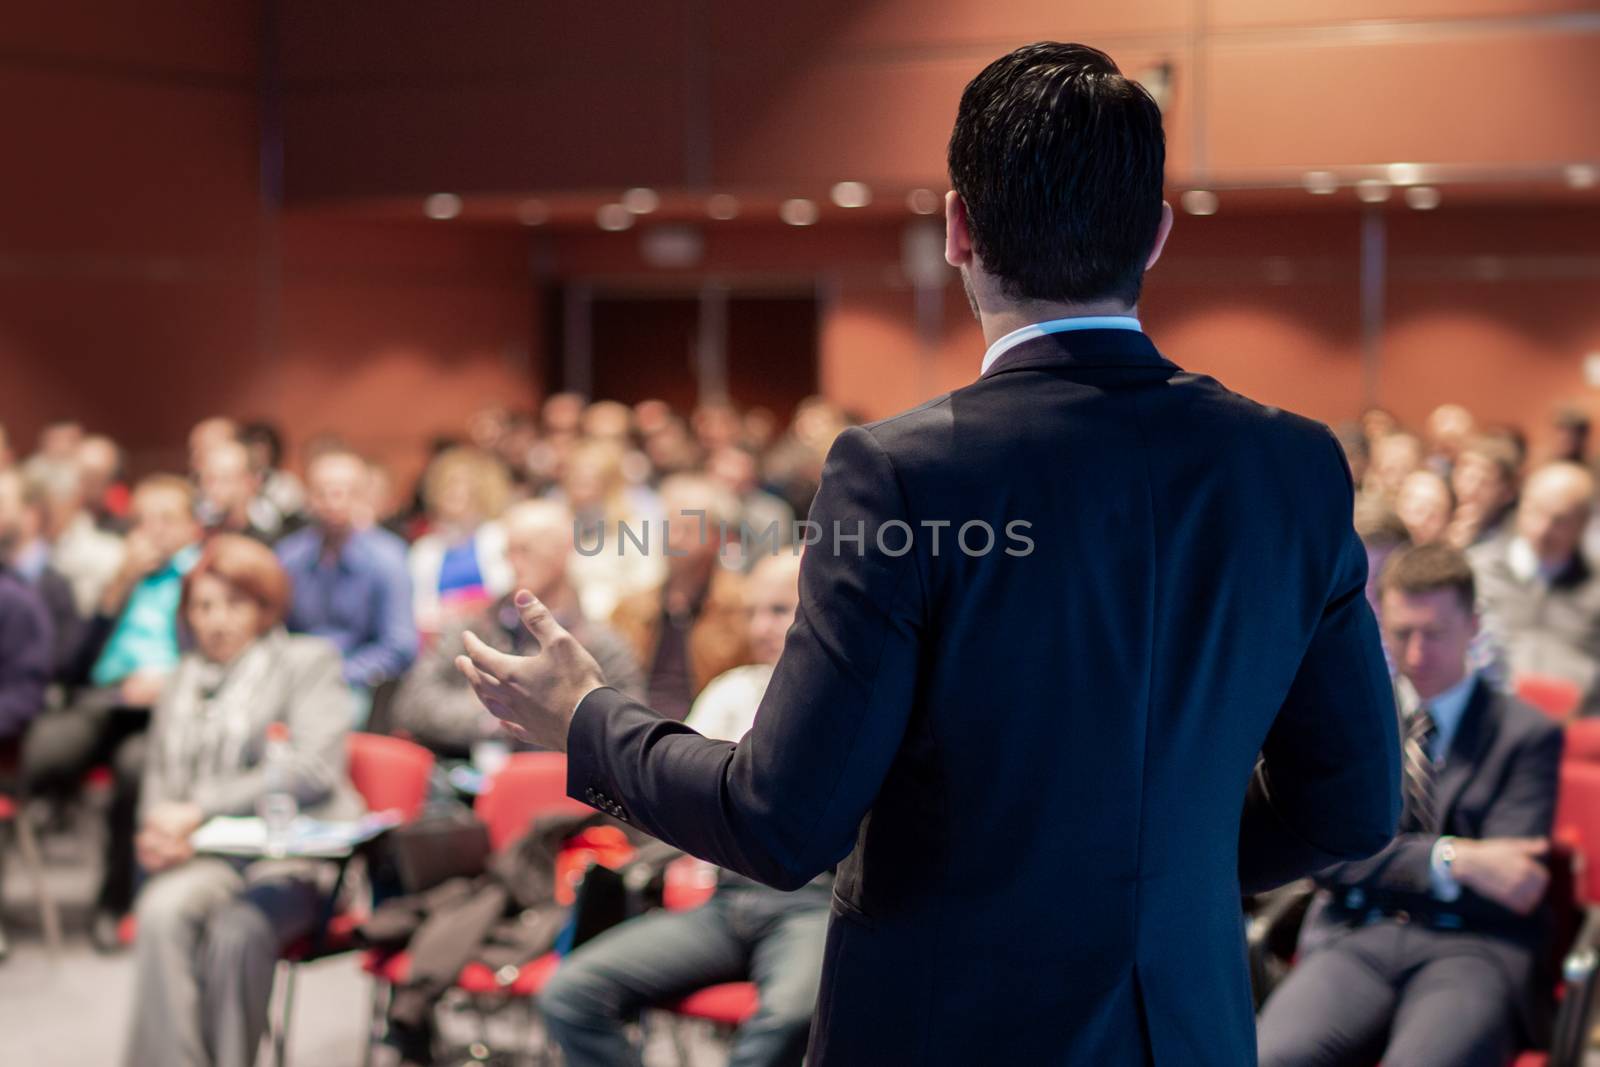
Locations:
393 774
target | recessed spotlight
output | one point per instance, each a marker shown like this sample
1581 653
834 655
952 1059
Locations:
613 218
1200 202
1320 182
723 206
1405 173
640 201
1422 197
851 194
533 212
798 211
1372 190
442 206
923 201
1583 175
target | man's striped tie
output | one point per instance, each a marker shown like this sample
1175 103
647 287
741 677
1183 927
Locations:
1420 816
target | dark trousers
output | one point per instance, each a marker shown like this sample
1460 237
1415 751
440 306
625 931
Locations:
742 934
1400 993
62 746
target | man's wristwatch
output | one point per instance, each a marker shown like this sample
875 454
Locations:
1447 856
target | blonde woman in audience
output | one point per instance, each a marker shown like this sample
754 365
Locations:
1394 457
459 565
1425 504
210 928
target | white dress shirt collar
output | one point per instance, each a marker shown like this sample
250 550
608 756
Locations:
1040 329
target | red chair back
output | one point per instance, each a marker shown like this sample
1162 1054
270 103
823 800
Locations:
530 784
1556 697
1583 741
688 883
1578 824
389 772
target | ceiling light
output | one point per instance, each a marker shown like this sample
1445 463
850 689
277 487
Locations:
723 206
442 206
533 212
798 211
1320 182
1200 202
1422 197
1372 190
640 201
613 217
923 201
851 194
1405 173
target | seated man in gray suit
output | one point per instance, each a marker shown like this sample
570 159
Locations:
1428 953
1540 593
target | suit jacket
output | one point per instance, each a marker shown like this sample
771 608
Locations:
299 684
1550 628
1031 763
1499 779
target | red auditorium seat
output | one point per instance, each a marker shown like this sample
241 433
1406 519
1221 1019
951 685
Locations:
530 785
1556 697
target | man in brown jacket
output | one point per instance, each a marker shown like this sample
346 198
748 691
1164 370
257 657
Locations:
691 627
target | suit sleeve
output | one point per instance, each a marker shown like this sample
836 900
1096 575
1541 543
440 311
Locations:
1327 786
784 803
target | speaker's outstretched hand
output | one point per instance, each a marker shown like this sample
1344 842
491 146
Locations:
535 695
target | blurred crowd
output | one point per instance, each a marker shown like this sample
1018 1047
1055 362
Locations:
155 630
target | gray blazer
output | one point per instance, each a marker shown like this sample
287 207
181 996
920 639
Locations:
291 679
1551 629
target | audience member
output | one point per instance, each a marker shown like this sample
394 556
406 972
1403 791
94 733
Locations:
1430 952
1540 594
1449 427
459 564
688 629
211 927
606 512
1394 458
745 931
435 703
350 580
206 435
736 469
1425 504
81 549
129 650
27 634
228 494
57 450
1484 480
1571 443
1381 533
280 499
26 554
105 494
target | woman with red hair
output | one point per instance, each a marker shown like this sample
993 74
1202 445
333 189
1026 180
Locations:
210 928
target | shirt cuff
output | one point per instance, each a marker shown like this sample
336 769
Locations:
1440 880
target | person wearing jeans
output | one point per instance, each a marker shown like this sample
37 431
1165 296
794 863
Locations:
745 932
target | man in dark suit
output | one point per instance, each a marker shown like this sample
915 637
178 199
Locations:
1047 623
1427 953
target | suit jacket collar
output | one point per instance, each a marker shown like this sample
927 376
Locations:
1466 750
1081 349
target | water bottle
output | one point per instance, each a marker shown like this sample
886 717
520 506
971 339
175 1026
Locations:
277 806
